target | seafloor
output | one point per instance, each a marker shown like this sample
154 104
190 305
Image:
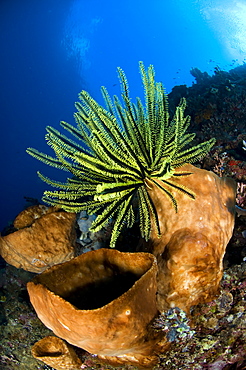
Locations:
217 338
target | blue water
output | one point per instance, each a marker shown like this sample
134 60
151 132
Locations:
52 49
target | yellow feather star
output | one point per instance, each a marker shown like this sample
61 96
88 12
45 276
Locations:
123 149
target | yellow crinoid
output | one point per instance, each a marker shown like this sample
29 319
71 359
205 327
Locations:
120 151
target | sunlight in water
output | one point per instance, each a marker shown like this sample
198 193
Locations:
228 20
78 32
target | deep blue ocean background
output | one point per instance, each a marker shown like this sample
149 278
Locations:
52 49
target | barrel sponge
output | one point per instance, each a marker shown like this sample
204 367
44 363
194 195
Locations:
102 301
193 240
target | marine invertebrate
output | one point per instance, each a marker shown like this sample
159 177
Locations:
175 323
56 353
102 301
124 150
45 236
192 245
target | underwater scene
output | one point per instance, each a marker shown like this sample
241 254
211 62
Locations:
123 192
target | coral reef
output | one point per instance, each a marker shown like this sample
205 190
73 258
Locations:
212 335
219 339
216 103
